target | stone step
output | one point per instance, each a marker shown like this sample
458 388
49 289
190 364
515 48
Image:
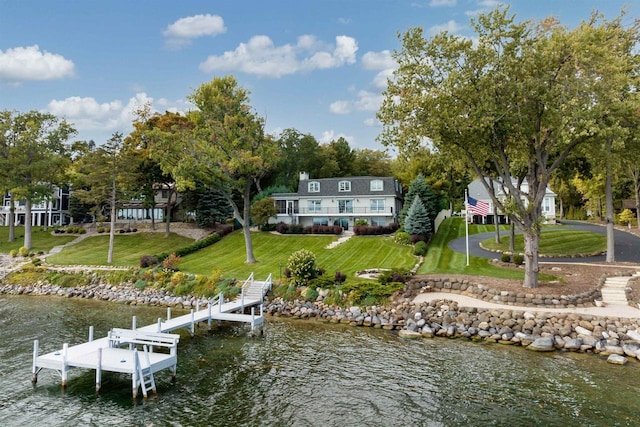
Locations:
617 280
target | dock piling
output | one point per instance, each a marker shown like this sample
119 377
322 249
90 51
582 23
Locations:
134 321
34 370
63 372
90 333
99 371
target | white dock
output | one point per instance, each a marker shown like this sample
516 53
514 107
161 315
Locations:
141 352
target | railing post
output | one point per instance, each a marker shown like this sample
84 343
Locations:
63 372
159 324
34 369
134 321
90 333
193 329
99 371
168 313
209 318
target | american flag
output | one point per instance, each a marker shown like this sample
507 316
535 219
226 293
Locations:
477 207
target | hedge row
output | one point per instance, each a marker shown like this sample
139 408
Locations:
375 230
283 228
194 247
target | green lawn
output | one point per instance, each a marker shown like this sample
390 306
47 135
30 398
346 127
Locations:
127 249
441 259
273 251
556 241
40 240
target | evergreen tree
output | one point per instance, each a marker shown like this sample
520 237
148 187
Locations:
420 188
417 221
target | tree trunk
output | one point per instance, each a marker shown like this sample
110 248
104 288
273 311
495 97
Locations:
636 187
153 218
12 220
531 267
246 224
112 231
167 220
27 224
495 221
608 192
512 238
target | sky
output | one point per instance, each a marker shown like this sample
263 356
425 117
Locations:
317 66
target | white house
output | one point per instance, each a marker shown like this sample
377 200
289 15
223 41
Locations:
479 192
52 211
341 201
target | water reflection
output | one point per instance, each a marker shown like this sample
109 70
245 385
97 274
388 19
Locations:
306 374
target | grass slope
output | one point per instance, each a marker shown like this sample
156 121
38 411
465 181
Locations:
127 249
556 241
273 251
40 240
441 259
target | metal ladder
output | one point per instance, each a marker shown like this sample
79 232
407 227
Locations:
145 375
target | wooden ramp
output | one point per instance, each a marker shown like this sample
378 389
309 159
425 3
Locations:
141 352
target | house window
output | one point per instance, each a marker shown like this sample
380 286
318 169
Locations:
320 221
314 187
165 194
344 186
377 205
314 205
345 206
281 206
375 222
377 185
546 204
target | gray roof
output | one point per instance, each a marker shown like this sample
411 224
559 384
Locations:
360 186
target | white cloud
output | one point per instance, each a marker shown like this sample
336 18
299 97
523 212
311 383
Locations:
340 107
368 101
371 122
181 32
380 80
378 60
438 3
489 3
452 27
89 116
330 135
259 56
29 63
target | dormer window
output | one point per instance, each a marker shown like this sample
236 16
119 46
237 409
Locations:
377 185
314 187
344 186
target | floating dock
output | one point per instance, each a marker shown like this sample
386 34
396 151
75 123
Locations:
141 352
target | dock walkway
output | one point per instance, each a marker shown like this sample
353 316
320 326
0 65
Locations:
143 351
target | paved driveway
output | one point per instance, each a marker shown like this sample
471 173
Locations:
627 245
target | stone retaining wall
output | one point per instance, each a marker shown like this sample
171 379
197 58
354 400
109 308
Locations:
520 298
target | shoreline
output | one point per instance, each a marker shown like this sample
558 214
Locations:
425 316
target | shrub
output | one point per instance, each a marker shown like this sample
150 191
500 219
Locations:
505 257
302 265
415 238
23 251
310 294
13 253
420 249
374 230
267 227
36 262
402 238
395 275
178 278
140 284
194 247
148 261
518 259
339 277
361 221
322 283
171 262
100 230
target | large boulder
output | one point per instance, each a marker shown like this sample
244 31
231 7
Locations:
542 344
616 359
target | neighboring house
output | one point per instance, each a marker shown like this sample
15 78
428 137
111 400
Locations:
341 201
54 211
134 209
478 192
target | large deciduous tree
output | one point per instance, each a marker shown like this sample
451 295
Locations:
230 150
34 158
518 94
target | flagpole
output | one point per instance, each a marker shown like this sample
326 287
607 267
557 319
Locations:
466 223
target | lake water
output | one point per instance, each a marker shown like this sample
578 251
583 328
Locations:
305 374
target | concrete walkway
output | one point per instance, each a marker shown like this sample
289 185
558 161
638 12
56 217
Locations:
610 310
